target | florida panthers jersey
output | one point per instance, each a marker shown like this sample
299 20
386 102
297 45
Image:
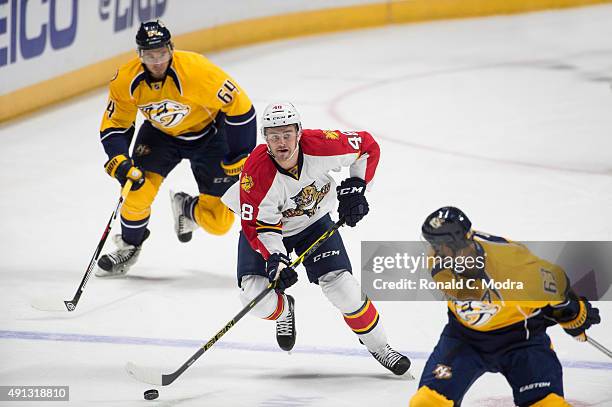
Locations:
183 105
537 284
274 202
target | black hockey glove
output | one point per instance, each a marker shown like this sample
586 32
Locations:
288 275
352 203
122 168
576 316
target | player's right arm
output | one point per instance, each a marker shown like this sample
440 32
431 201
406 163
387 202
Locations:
117 130
118 120
259 204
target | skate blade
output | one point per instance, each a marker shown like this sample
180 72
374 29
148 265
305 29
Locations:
111 276
101 273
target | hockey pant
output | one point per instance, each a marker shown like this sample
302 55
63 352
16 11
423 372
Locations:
531 368
208 212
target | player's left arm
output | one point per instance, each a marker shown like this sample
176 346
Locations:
575 314
240 120
365 162
352 203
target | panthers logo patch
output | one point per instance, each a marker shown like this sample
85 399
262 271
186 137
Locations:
476 313
331 135
246 183
307 201
166 113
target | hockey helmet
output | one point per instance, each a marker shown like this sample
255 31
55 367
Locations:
153 34
447 226
280 114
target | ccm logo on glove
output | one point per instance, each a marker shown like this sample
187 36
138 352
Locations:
350 190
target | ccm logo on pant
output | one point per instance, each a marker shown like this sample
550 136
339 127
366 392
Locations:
325 254
223 180
351 190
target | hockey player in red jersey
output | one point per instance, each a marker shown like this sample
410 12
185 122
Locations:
285 198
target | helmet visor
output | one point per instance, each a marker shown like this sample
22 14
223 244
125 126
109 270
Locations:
156 55
285 133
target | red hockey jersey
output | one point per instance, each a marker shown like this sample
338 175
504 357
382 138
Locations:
273 202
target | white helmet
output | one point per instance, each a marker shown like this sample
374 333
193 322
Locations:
280 114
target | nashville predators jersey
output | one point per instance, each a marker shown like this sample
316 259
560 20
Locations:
515 287
183 105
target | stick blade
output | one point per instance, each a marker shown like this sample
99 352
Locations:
144 374
48 304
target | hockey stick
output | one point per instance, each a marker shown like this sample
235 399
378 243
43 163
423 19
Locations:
156 377
46 304
599 347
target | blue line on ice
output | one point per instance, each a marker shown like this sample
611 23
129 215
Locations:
190 343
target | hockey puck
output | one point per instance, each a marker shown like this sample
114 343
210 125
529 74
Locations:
151 394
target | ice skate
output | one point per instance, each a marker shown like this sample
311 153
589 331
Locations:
285 329
392 360
183 224
118 263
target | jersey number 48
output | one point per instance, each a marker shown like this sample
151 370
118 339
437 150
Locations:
353 138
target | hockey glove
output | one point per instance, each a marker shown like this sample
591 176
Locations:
576 317
122 168
352 203
279 263
233 167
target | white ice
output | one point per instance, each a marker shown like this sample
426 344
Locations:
508 118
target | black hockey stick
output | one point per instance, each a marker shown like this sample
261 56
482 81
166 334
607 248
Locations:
47 304
599 347
156 377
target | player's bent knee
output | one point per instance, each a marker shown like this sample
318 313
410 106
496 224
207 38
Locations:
212 215
270 307
342 290
137 205
426 397
552 400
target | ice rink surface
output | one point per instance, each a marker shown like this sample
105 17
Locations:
508 118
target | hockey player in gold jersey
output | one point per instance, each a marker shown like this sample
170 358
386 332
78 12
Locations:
496 327
193 110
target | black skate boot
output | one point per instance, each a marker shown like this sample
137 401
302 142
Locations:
285 329
183 224
118 263
392 360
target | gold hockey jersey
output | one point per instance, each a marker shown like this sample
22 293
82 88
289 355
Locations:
517 284
183 105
